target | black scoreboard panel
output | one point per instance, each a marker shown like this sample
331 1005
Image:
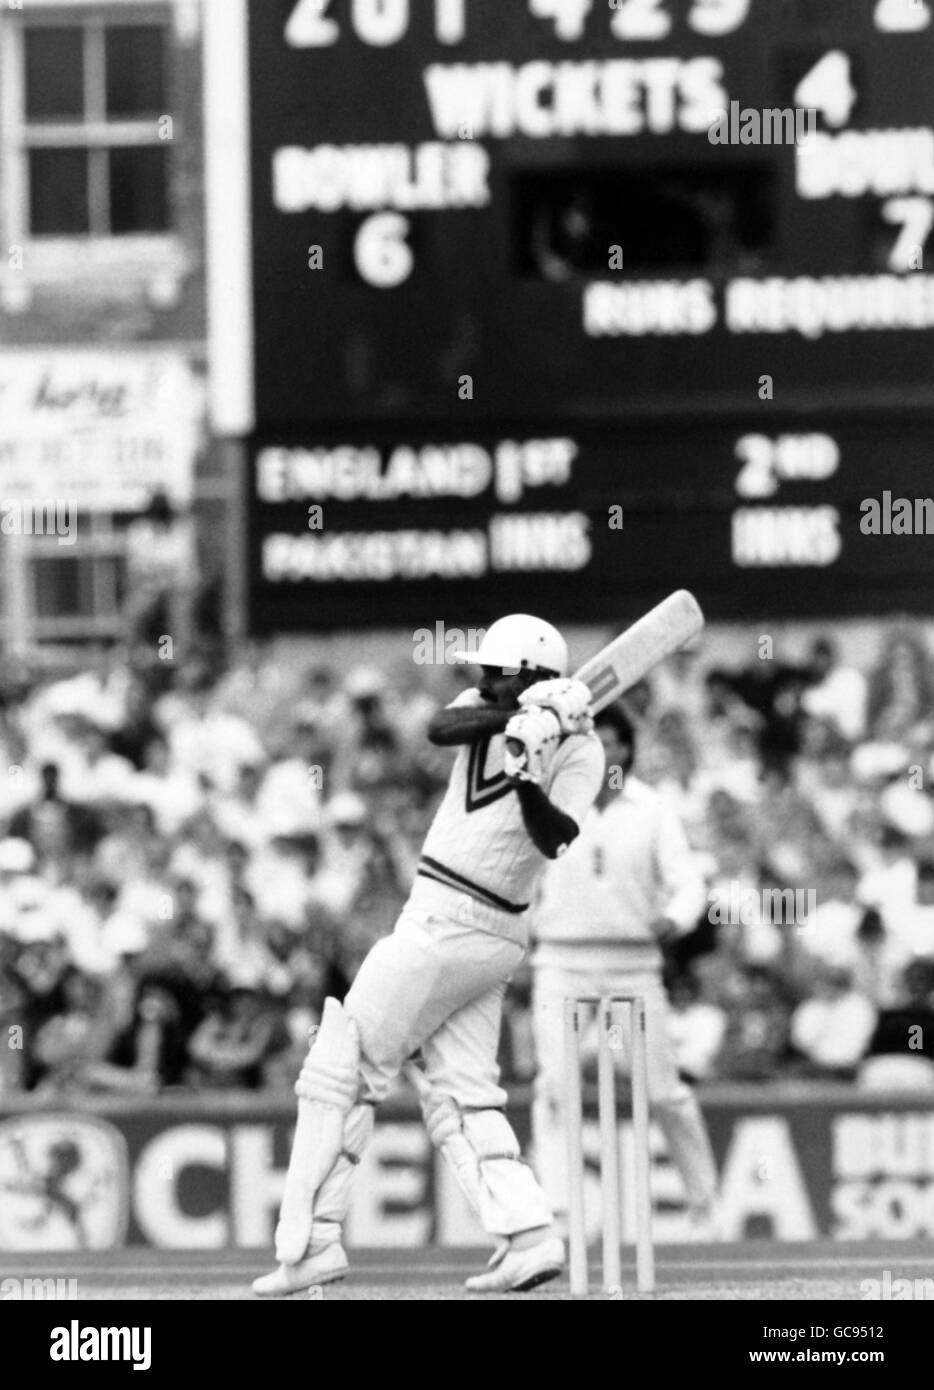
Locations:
525 193
589 524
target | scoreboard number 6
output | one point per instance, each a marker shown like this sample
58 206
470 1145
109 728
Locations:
382 254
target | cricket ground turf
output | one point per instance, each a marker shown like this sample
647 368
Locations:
821 1270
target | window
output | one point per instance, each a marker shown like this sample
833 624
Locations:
71 594
92 159
64 587
70 588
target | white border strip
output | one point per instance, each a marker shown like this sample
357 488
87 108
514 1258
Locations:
229 236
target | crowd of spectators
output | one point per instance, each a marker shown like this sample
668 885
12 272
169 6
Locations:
190 863
808 792
189 866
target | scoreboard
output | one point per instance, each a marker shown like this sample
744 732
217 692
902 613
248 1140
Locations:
360 529
647 240
467 167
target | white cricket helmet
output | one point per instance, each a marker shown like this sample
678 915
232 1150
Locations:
520 642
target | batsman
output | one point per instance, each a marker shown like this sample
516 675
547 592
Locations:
528 769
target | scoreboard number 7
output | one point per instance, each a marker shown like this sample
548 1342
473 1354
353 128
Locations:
915 216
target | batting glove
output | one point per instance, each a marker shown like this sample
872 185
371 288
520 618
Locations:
568 700
532 736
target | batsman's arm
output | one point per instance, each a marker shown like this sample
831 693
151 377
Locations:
465 724
554 820
550 828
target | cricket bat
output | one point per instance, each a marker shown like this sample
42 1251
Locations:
623 663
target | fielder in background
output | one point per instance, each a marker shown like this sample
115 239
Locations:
527 771
625 886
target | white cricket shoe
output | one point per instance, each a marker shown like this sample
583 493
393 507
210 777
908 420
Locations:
517 1271
324 1267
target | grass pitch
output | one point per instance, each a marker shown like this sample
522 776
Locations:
761 1270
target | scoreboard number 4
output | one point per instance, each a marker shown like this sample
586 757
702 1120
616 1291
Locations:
827 88
569 15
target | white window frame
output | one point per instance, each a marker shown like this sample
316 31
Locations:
150 258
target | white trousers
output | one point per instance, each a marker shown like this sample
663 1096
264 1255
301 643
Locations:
671 1100
437 983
